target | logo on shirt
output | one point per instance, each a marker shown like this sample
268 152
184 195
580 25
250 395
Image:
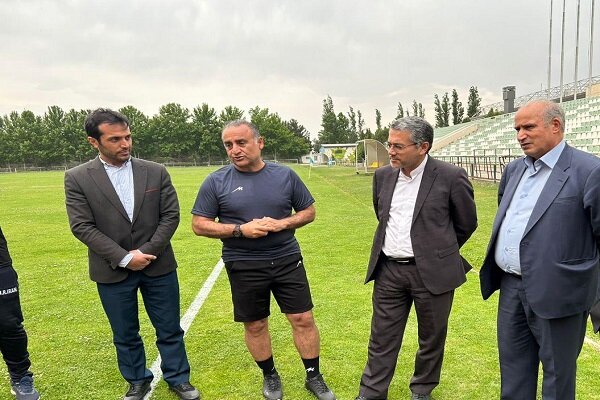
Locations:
8 291
237 188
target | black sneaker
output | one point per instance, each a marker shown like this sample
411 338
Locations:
24 389
318 387
186 391
137 391
272 389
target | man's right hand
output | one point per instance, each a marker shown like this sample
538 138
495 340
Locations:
140 260
255 229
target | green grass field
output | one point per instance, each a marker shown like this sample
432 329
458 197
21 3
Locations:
70 340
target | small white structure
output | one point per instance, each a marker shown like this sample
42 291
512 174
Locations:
315 159
375 156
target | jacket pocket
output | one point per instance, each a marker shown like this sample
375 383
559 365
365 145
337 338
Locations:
448 250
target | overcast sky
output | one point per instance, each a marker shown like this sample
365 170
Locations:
286 55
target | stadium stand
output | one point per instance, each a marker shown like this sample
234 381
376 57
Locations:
491 142
496 134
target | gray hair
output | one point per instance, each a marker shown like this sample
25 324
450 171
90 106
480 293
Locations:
420 130
551 110
239 122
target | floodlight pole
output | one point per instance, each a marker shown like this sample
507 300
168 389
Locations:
591 45
550 50
576 53
562 53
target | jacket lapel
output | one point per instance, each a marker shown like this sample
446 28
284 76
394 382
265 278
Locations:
553 186
98 174
429 175
389 184
140 178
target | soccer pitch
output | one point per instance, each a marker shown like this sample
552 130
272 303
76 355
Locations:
71 344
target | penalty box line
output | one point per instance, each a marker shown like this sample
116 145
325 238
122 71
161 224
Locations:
187 320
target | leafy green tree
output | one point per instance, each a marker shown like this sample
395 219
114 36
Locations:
458 110
280 142
230 113
50 143
171 128
144 145
75 147
474 102
421 111
381 133
343 128
207 130
400 113
437 106
9 142
360 125
28 132
329 123
442 110
299 131
415 107
378 119
353 134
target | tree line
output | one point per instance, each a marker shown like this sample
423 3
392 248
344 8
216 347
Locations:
349 127
445 108
174 133
177 133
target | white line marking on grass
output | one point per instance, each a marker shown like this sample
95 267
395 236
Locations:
187 320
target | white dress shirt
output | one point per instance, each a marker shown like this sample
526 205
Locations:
397 243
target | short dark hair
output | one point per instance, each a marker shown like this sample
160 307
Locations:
102 116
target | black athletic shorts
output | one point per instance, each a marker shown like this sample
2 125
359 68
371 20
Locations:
253 281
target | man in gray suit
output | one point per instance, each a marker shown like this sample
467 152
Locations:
426 212
125 210
544 256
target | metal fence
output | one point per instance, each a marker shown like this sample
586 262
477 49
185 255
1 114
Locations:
484 167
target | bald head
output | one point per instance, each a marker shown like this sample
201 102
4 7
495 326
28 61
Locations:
540 127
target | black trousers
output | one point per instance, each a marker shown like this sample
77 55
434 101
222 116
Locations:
13 338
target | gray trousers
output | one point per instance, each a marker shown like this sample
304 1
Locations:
397 287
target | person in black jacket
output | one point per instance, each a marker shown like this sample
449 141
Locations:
13 338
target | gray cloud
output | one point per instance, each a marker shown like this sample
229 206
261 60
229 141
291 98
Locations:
285 55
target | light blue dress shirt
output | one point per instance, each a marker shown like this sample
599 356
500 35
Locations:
521 205
122 180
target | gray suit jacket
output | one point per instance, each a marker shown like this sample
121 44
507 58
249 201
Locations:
560 246
443 219
98 219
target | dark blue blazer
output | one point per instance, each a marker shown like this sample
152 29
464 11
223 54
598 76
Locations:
560 246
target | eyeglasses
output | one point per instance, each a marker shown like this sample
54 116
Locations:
398 146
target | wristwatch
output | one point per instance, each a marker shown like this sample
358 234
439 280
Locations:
237 231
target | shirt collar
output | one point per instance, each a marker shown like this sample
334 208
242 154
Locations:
108 165
549 159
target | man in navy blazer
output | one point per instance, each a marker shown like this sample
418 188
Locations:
125 210
544 256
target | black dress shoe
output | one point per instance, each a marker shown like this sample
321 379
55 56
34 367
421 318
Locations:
137 391
186 391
